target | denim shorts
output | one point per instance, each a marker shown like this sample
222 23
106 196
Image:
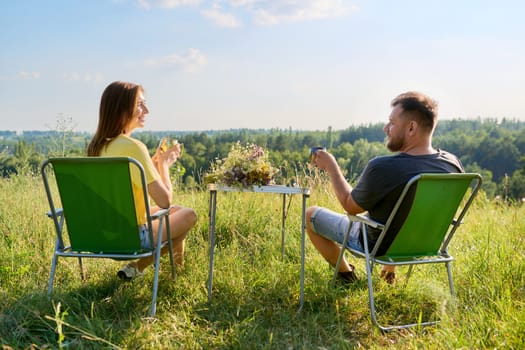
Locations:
145 242
334 226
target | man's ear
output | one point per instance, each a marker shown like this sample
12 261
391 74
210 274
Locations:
412 127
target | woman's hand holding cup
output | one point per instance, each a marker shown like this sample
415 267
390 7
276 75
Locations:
169 151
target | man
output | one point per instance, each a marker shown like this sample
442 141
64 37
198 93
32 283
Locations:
409 132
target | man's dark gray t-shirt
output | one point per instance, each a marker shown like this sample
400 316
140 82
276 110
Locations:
384 177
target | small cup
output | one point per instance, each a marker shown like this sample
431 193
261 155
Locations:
313 152
165 143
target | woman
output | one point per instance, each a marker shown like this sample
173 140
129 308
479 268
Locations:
122 110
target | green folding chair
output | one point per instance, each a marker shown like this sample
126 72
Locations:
98 212
418 231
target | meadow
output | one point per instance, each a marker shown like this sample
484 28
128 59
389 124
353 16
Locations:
256 291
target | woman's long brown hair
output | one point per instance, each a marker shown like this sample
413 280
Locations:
117 106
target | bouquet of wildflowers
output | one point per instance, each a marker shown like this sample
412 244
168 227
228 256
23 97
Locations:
244 166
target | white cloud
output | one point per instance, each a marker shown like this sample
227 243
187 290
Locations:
192 61
144 4
273 11
28 75
220 18
167 3
263 12
71 76
83 77
243 2
177 3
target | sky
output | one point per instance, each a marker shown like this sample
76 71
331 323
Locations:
223 64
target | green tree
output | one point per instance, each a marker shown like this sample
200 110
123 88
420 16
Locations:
516 185
24 160
498 154
487 185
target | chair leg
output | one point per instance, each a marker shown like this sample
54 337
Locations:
82 276
369 265
170 246
155 285
158 248
373 315
52 274
450 281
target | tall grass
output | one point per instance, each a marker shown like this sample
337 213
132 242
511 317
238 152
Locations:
256 290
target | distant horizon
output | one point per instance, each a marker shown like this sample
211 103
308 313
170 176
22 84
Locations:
487 119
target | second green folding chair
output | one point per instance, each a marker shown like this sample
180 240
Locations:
426 216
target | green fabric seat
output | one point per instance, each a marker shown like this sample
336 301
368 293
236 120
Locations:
98 213
419 229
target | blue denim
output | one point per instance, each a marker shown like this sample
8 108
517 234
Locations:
334 226
145 242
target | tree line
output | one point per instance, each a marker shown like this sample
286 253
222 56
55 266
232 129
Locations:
493 148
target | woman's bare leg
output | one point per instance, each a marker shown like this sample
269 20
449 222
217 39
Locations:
182 220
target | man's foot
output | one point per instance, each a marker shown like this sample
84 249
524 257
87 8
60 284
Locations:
389 276
129 272
347 277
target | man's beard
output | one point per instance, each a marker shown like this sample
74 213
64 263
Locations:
394 145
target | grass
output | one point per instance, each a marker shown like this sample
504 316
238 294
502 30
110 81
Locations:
256 291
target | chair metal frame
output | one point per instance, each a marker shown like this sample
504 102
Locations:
60 218
439 255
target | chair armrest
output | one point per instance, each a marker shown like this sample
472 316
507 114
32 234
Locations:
58 211
365 220
160 213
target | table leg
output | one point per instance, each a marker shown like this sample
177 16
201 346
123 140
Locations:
211 237
283 225
303 229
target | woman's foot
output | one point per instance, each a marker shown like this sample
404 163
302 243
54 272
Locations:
129 272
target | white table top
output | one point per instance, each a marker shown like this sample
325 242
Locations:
282 189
